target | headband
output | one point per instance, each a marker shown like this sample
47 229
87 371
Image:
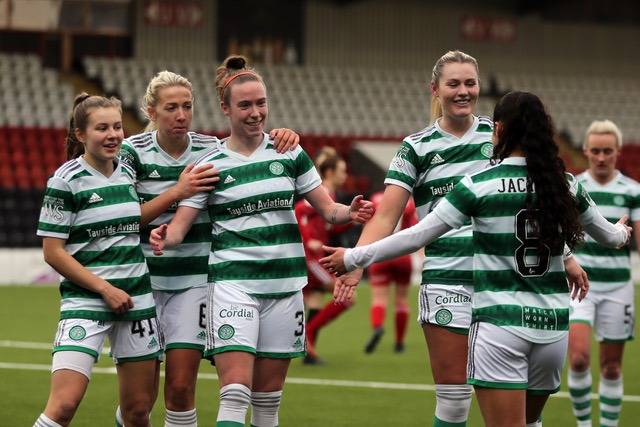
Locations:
230 79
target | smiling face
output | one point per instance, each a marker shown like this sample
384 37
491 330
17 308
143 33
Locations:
457 90
247 110
602 151
102 136
173 112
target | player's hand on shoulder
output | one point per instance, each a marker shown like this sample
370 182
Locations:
194 180
284 139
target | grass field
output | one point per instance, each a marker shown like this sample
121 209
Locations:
351 389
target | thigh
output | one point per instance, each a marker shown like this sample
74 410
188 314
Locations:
448 306
282 334
235 367
501 408
83 335
447 354
137 382
545 367
615 315
269 374
181 365
497 358
233 322
380 274
135 340
67 390
402 270
182 318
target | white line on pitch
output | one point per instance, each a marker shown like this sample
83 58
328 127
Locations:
299 381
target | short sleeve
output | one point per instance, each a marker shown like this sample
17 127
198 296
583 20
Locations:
403 168
129 157
57 209
307 177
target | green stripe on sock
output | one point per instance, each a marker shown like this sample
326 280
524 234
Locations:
228 424
579 392
610 415
582 405
586 417
437 422
610 401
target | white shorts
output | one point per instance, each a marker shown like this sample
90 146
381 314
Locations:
446 305
266 327
500 359
611 314
130 340
182 318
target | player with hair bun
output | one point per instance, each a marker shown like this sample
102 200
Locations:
257 269
162 159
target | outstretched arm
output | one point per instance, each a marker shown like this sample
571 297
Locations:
382 224
172 234
403 242
607 234
359 211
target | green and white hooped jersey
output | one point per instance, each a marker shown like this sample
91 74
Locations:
609 268
516 285
99 220
256 244
429 164
184 266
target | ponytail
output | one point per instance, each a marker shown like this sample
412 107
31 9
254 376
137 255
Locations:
83 104
526 126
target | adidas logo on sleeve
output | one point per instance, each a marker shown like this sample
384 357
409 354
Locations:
229 179
95 198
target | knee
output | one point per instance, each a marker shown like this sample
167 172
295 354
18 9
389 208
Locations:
136 413
580 362
62 411
611 370
179 394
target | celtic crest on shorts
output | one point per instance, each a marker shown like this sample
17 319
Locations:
226 331
77 333
443 316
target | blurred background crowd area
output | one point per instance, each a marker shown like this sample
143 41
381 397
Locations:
352 74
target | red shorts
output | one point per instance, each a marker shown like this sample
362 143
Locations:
318 279
396 270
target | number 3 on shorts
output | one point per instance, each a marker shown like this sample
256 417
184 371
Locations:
300 318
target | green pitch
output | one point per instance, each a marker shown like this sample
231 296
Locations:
350 389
